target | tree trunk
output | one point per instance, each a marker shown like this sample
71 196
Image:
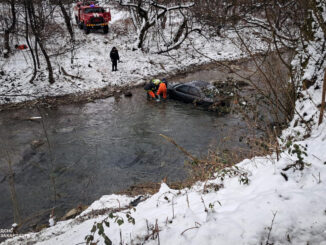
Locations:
180 31
47 59
67 20
30 46
141 38
34 25
36 54
322 107
142 35
10 29
146 14
6 46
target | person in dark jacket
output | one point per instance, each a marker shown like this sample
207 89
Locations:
114 55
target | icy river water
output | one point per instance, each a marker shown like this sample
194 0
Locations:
84 151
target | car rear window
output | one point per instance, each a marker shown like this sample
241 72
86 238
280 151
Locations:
194 91
183 89
186 89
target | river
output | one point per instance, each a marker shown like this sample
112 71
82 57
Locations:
77 153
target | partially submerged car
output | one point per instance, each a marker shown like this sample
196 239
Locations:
200 93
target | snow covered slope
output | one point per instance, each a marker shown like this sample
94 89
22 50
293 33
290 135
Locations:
279 205
91 62
276 207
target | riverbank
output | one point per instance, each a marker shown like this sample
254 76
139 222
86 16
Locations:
274 206
240 66
87 74
257 196
100 93
276 198
71 130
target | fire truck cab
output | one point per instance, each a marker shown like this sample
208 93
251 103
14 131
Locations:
89 16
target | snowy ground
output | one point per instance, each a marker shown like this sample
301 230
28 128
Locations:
275 207
92 62
270 210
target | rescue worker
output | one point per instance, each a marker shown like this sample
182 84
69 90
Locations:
162 89
151 88
114 55
156 88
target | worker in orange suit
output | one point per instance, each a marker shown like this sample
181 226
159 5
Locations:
150 88
151 94
156 88
162 90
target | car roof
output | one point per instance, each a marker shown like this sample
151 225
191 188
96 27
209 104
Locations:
197 84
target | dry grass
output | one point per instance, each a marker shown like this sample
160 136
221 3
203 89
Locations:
122 27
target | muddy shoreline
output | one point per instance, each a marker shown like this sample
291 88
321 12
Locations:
109 91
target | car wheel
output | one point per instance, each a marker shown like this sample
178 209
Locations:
86 29
80 25
106 29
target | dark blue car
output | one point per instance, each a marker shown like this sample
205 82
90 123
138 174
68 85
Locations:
197 92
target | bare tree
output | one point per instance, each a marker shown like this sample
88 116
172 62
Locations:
8 21
37 23
66 18
322 105
146 14
277 23
34 58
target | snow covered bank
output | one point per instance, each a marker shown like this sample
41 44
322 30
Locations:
269 208
92 66
280 205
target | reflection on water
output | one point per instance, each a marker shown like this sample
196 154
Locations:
100 148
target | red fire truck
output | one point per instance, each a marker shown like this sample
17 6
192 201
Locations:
89 16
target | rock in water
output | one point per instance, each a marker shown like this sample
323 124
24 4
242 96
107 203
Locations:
128 94
37 143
